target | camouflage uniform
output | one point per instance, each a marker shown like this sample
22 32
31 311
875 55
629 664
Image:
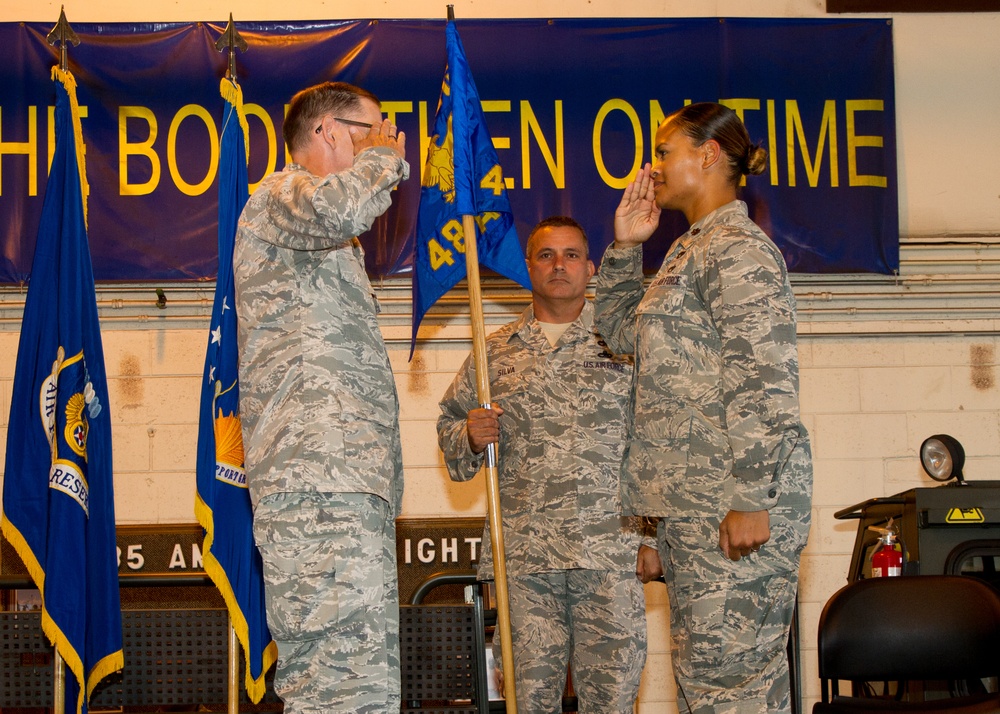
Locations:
321 432
570 553
716 427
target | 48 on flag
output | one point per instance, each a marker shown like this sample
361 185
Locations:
453 234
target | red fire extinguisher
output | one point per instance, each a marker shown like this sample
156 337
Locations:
887 560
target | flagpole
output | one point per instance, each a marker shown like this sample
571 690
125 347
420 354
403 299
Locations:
493 512
492 476
234 670
58 683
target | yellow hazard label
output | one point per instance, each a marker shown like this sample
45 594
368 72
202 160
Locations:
964 515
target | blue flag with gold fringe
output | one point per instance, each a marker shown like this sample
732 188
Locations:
462 177
58 495
222 504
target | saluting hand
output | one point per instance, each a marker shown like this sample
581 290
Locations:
483 428
637 214
383 134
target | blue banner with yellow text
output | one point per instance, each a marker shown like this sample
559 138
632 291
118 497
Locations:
571 106
58 492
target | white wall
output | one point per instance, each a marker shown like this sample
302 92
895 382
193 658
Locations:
885 362
868 401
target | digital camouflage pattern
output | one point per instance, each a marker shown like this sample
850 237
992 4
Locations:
337 626
715 427
729 629
320 417
604 640
317 396
561 446
571 555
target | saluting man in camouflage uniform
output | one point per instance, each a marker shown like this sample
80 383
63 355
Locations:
560 399
717 447
319 407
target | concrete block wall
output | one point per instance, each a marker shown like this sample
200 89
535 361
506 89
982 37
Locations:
868 401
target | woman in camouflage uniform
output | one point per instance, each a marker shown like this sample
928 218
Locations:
716 444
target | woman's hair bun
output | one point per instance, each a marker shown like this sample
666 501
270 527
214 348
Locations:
756 160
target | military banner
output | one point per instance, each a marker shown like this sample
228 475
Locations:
571 106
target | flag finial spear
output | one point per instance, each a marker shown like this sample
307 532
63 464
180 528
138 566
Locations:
62 34
232 40
451 13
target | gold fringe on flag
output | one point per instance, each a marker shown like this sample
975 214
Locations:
65 77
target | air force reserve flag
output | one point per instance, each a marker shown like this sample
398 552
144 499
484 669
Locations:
462 177
222 504
58 500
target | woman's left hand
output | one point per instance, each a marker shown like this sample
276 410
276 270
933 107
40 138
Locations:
744 532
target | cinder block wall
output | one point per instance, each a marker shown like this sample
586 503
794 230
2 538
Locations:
868 401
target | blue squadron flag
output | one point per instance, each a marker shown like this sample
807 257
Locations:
462 177
222 504
58 496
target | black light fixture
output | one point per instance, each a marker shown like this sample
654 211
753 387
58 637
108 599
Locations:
943 458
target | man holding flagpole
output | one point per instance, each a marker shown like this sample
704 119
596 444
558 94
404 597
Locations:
575 564
319 407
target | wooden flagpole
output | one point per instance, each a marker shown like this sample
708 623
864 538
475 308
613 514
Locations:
492 478
58 682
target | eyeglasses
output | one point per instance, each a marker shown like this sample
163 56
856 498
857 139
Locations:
349 122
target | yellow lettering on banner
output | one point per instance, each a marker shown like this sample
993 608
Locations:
772 141
656 117
288 154
608 107
493 180
142 148
391 109
794 129
741 106
854 142
52 134
557 165
499 142
193 189
29 148
256 110
425 140
439 255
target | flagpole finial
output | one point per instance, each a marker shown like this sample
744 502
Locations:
232 40
62 34
451 13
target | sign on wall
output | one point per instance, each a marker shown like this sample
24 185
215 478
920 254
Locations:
424 547
572 106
